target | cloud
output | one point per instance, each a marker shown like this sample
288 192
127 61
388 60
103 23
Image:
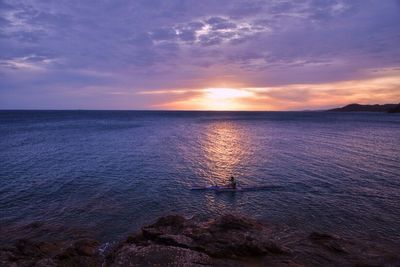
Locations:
30 63
149 45
375 89
220 23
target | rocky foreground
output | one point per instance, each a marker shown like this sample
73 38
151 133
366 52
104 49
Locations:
229 240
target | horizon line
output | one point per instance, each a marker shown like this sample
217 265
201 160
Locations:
168 110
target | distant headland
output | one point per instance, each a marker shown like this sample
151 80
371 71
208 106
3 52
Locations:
390 108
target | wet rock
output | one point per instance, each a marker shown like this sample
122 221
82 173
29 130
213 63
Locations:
234 245
226 237
32 253
86 247
329 242
230 241
81 253
172 224
236 236
35 249
173 221
7 257
47 262
26 253
320 236
157 255
176 240
232 236
34 225
231 223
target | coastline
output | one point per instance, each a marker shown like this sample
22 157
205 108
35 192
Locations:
228 240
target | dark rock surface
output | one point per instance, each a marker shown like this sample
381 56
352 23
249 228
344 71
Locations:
229 240
133 255
30 253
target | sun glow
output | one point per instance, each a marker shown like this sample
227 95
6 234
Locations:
227 93
378 88
224 98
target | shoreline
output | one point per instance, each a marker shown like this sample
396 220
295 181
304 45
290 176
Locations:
227 240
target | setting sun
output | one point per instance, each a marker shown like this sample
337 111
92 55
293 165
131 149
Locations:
227 93
224 98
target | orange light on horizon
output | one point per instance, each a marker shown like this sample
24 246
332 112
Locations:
379 89
227 93
213 98
224 98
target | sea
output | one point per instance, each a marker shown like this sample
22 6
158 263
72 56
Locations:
105 174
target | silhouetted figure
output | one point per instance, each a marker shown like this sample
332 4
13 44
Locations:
233 182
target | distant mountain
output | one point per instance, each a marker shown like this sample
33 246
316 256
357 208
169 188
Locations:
368 108
396 109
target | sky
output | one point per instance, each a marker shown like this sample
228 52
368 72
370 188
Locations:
198 54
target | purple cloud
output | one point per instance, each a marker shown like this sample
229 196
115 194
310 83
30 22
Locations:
66 47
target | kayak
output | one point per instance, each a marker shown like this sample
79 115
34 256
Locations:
221 188
218 188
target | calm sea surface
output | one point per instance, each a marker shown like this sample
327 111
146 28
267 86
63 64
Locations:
109 172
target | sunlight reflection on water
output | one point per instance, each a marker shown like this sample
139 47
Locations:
223 150
114 171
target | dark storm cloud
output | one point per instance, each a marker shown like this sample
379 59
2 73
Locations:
140 45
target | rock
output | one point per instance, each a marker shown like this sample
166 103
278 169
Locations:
83 252
176 240
230 222
320 236
87 247
234 245
173 221
7 257
228 236
329 242
32 253
47 262
230 241
157 255
34 225
234 236
27 253
172 224
181 242
35 249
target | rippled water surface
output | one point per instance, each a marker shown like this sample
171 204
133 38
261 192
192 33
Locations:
109 172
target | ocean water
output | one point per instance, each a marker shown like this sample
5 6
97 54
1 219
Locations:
66 173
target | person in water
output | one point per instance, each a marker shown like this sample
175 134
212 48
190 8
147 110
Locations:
232 183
